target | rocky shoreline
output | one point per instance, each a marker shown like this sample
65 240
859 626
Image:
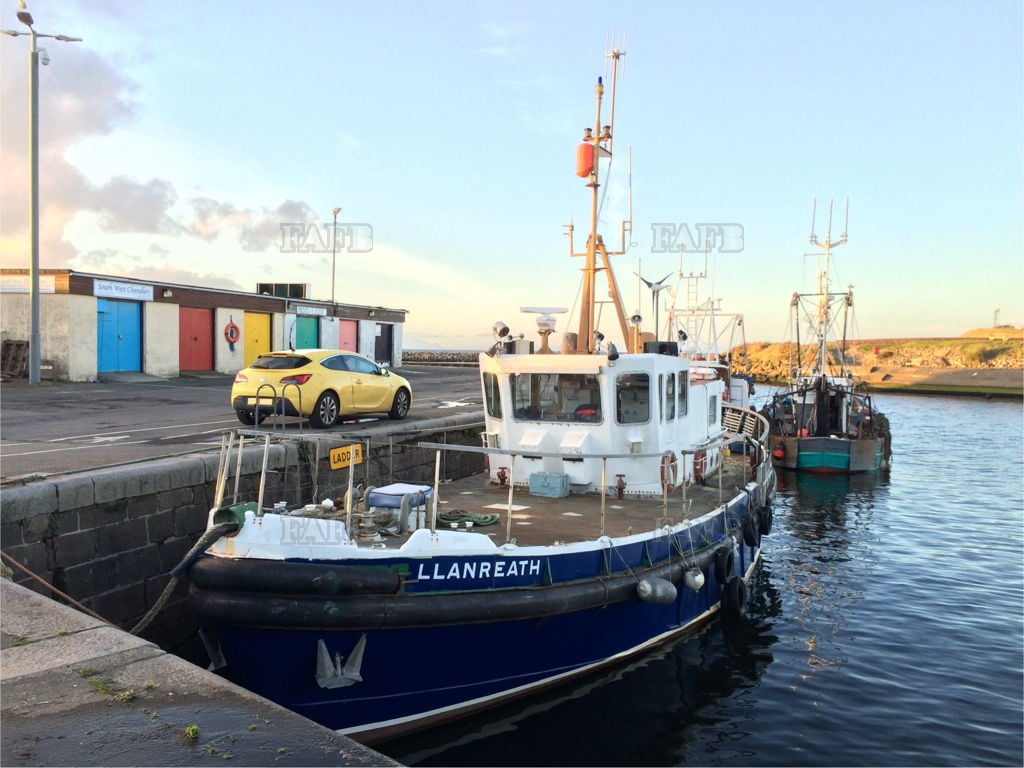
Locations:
977 382
995 381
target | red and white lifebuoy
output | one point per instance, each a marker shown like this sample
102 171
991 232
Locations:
669 471
231 333
700 459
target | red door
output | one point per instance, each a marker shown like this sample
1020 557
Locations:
195 339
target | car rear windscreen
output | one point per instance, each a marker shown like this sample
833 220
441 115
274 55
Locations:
281 363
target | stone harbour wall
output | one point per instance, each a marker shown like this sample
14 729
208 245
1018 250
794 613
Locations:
109 538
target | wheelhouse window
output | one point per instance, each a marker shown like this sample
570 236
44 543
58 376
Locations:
668 412
632 398
684 387
563 397
492 395
713 409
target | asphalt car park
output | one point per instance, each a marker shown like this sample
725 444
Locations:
57 427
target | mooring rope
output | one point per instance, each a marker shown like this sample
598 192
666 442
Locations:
204 543
52 588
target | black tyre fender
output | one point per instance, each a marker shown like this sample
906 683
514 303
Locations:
734 597
752 530
765 517
326 411
400 405
724 559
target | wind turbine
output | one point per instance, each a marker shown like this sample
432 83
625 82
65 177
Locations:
656 289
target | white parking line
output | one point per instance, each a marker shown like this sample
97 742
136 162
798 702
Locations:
90 447
93 435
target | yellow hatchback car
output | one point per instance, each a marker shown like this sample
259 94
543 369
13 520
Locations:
323 385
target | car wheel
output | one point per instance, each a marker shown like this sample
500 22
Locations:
246 417
400 407
325 412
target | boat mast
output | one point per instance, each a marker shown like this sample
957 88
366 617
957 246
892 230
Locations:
824 299
600 136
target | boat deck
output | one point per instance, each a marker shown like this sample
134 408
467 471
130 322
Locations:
543 520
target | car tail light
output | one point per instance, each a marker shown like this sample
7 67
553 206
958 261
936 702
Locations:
299 378
241 378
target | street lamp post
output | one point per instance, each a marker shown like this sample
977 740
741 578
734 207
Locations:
34 359
334 249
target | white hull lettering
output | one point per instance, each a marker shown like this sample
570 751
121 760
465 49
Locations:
501 569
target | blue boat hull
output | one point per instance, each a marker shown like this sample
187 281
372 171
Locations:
434 649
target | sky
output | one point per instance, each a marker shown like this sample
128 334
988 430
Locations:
193 142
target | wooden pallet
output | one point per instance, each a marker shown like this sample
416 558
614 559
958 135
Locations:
14 359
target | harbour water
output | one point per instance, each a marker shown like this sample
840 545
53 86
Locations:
885 628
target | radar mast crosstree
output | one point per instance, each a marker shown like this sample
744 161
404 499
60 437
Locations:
596 145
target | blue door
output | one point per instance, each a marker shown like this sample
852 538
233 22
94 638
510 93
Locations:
118 335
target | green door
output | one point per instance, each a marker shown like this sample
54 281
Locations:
307 332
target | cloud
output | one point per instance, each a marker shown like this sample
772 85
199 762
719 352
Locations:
127 205
256 230
498 38
80 95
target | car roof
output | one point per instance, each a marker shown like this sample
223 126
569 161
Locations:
316 354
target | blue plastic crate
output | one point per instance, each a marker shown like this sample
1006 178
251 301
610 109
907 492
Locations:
554 485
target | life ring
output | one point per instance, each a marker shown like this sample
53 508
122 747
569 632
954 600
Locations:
669 471
699 464
231 333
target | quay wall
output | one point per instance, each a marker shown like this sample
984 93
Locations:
109 538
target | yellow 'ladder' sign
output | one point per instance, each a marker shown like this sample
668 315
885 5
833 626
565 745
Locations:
349 454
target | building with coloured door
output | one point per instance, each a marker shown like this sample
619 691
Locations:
91 325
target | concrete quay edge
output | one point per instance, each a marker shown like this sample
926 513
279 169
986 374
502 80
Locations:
77 691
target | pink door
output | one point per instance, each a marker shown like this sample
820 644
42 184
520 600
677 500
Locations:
348 335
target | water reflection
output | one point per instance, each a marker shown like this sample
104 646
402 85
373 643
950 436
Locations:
820 508
826 546
885 629
650 712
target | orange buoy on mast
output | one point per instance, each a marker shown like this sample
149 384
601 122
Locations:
584 159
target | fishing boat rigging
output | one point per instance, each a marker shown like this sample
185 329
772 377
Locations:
823 421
